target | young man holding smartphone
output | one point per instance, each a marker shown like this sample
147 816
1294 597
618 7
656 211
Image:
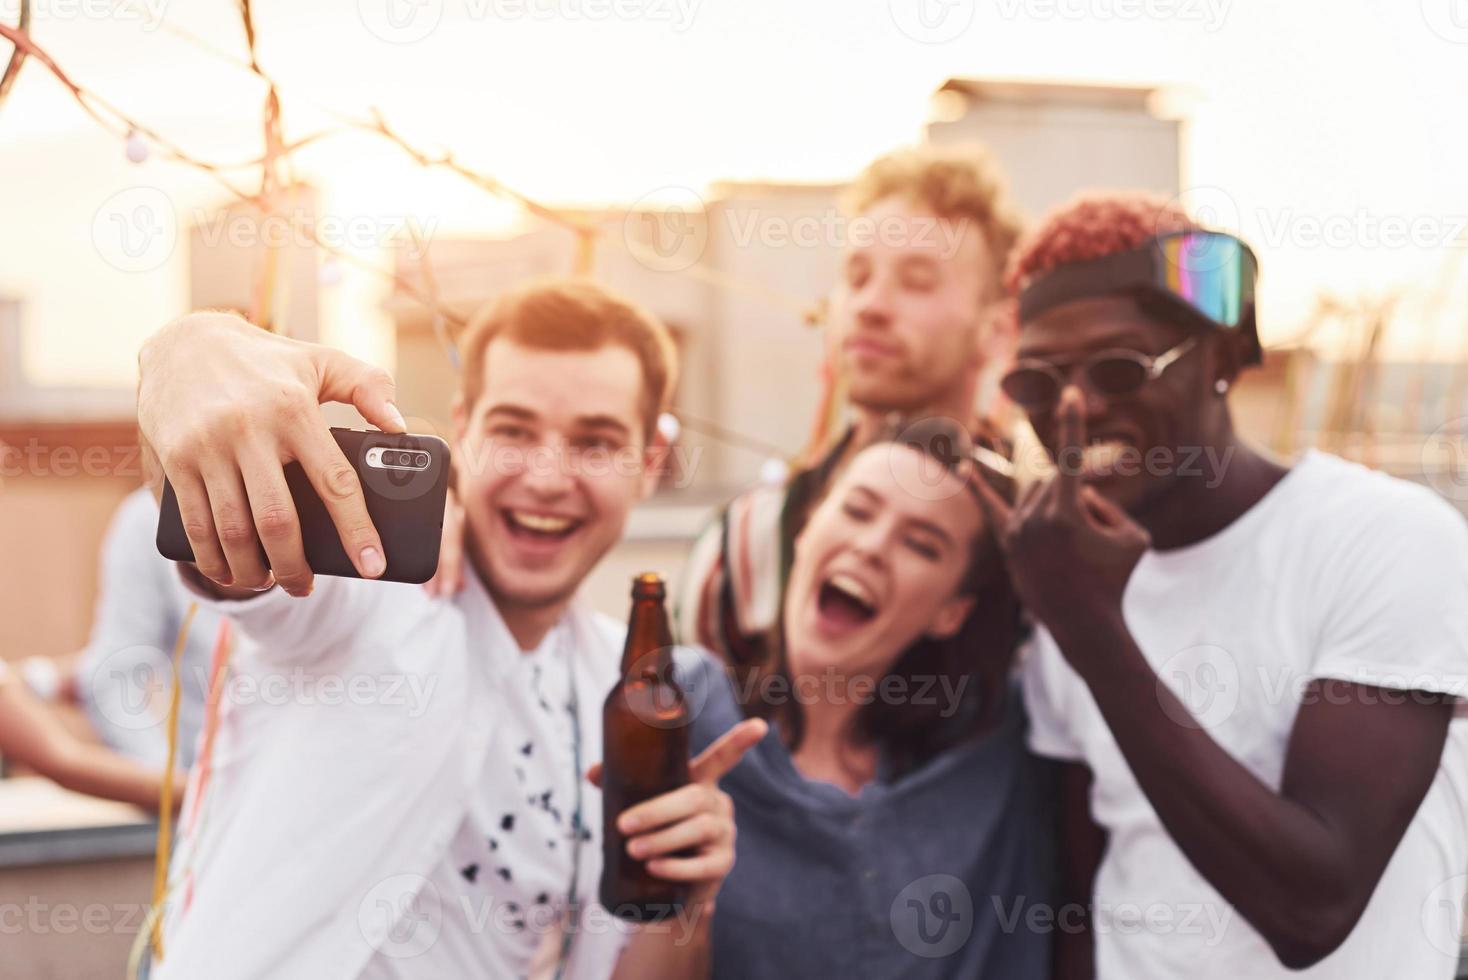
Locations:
414 804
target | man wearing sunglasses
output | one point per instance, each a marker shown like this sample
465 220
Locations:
1250 670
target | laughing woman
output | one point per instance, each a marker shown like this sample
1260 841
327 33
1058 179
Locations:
892 823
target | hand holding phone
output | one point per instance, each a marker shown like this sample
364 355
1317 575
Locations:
404 480
226 407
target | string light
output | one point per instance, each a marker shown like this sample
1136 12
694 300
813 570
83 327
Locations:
137 148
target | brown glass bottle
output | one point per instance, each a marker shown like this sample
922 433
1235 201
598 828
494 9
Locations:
644 754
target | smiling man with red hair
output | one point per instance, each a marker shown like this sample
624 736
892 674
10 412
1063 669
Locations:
1249 667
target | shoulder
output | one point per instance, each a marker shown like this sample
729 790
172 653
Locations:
1357 506
609 628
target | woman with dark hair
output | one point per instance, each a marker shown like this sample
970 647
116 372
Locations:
891 824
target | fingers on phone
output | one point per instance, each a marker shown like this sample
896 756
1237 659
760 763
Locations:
340 489
278 526
234 525
198 524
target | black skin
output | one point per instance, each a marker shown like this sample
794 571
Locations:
1300 863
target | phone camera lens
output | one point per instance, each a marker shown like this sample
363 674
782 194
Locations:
391 458
421 459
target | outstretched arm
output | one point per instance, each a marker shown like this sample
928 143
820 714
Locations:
31 734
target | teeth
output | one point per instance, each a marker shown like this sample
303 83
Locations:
1103 455
852 587
541 522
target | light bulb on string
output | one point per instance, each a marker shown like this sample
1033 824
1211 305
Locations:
137 147
774 471
330 271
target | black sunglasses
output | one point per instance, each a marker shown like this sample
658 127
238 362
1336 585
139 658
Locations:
1035 385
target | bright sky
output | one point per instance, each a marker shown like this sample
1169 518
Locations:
1338 120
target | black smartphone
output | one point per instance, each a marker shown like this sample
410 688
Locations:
405 479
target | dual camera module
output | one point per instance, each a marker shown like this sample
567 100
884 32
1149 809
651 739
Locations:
411 460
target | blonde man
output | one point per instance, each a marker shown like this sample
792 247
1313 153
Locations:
913 318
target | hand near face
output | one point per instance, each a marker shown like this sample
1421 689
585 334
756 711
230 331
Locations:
1070 550
448 578
698 817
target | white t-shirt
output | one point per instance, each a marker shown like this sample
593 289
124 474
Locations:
1337 573
370 742
501 890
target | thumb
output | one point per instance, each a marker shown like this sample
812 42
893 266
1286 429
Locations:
593 775
369 389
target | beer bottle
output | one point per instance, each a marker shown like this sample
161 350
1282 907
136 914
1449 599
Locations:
644 754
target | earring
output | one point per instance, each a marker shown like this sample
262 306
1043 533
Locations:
1221 386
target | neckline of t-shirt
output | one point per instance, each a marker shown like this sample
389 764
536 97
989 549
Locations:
1273 497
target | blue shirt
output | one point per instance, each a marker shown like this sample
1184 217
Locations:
942 872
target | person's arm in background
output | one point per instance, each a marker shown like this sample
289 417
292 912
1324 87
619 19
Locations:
32 735
1082 843
133 629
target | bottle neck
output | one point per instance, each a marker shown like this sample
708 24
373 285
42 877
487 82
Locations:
649 649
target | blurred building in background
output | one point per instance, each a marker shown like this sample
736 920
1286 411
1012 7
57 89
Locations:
738 270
